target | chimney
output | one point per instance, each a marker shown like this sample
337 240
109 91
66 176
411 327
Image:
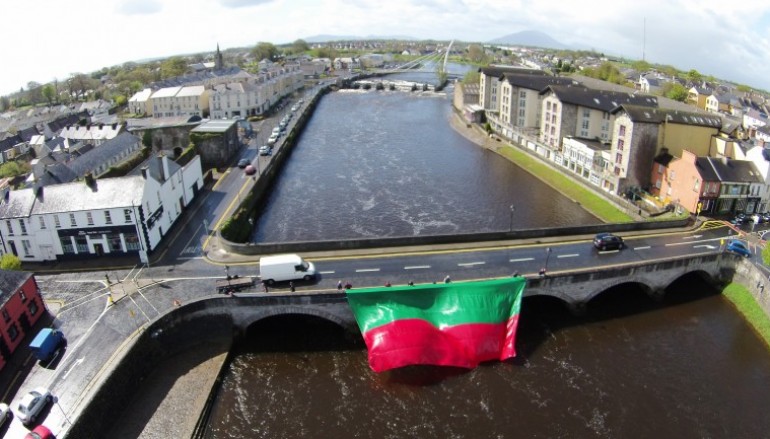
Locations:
90 180
144 172
163 166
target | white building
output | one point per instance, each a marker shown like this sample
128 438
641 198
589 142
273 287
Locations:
255 95
96 218
589 159
180 101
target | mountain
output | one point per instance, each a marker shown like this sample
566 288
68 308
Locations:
327 38
530 38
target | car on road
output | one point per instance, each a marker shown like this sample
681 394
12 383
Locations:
250 170
40 432
738 219
273 138
5 413
242 163
265 150
608 241
758 218
32 404
739 248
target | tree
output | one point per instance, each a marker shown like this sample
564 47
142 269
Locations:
640 66
13 169
472 77
694 77
476 54
265 51
299 46
49 93
675 91
10 261
173 67
79 85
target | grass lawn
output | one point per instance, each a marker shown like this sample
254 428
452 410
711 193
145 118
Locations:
593 203
746 305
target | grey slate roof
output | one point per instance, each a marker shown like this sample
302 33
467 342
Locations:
535 82
65 121
154 166
498 71
78 196
56 173
728 170
598 99
659 115
10 142
10 282
92 159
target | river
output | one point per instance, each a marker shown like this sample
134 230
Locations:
686 367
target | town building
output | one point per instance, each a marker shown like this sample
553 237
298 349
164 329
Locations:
21 306
99 217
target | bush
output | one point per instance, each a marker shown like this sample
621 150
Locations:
10 262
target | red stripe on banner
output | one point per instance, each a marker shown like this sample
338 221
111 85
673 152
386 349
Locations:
415 341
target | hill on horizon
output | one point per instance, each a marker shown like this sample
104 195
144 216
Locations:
530 38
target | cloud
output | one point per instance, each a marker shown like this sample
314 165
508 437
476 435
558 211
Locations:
243 3
139 7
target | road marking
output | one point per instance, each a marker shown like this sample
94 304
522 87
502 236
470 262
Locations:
187 258
470 264
673 244
710 247
692 237
327 272
416 267
646 247
365 270
521 259
571 255
77 363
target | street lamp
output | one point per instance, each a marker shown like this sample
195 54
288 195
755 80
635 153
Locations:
545 266
510 225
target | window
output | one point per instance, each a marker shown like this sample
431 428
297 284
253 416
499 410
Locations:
13 333
522 94
107 217
33 307
89 218
585 124
66 245
586 113
621 143
127 215
115 244
27 247
56 221
548 106
671 175
73 223
622 130
9 225
619 158
6 316
22 296
661 168
42 222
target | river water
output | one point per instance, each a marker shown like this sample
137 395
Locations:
377 164
686 367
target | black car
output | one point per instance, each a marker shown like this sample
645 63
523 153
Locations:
608 241
242 163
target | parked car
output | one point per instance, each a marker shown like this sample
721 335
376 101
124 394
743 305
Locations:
32 404
242 163
5 413
273 138
757 218
738 219
40 432
608 241
265 150
766 216
739 248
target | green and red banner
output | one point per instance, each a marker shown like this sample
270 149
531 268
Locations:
454 324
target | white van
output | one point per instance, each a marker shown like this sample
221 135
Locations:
279 268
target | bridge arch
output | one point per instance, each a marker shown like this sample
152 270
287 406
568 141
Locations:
256 314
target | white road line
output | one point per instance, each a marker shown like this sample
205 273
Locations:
469 264
416 267
673 244
327 272
692 237
521 259
365 270
710 247
572 255
189 258
646 247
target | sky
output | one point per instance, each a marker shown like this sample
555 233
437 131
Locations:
45 40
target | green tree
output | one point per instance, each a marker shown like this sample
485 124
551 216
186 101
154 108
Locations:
265 51
640 66
743 88
472 77
10 261
476 54
13 169
675 91
693 76
49 93
173 67
299 46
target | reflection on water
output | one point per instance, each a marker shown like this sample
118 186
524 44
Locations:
685 367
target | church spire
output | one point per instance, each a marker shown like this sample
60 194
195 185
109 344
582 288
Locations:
218 60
